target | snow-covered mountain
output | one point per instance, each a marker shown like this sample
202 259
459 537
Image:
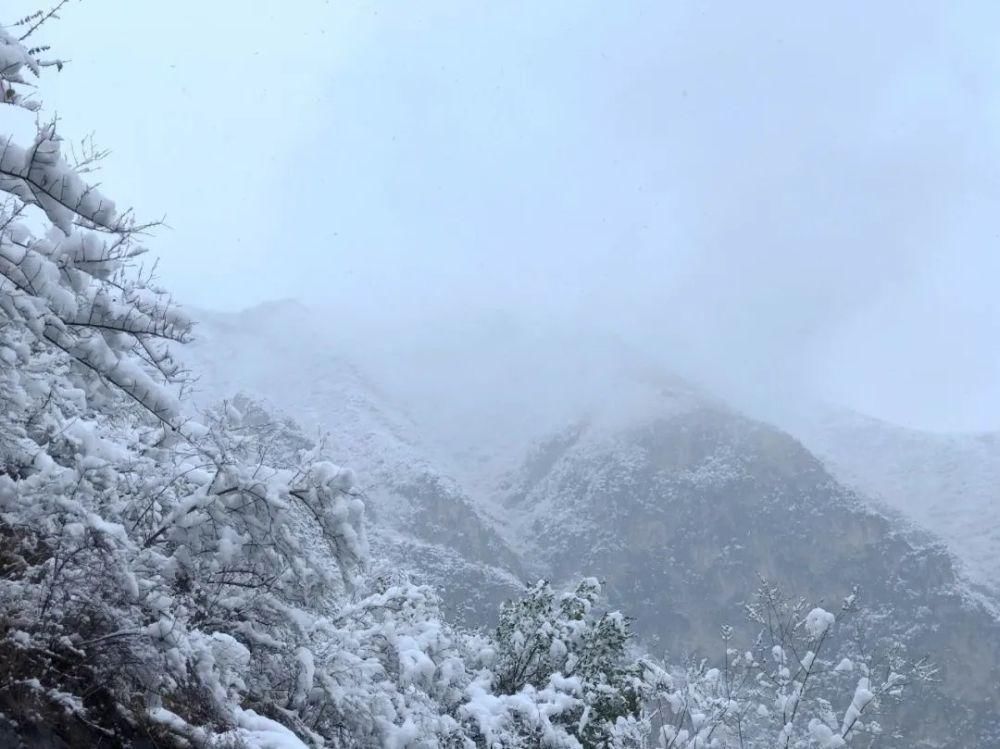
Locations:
948 484
676 500
271 353
681 511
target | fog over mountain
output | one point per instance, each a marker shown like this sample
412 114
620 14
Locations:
767 196
475 403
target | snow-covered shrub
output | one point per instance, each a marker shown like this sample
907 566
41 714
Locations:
561 673
808 680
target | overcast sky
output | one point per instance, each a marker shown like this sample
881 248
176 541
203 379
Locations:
767 194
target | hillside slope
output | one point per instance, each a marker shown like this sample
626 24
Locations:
948 484
421 520
680 513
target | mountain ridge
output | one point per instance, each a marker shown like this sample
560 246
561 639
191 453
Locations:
677 502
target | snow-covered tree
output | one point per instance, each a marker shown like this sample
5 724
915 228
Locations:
808 680
561 673
145 555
